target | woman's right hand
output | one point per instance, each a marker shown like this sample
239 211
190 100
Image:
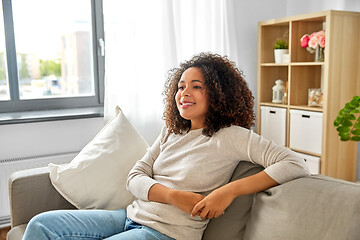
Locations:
185 200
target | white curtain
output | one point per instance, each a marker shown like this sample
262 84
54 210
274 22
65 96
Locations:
144 39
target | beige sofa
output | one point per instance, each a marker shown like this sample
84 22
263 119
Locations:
315 207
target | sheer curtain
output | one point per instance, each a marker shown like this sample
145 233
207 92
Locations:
144 39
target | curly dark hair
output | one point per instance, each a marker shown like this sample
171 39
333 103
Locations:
230 99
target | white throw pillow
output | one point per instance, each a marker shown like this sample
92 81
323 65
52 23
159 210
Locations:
96 177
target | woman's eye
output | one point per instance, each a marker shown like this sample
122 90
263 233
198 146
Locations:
197 87
180 88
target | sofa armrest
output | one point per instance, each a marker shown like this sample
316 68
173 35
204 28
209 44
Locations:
316 207
31 192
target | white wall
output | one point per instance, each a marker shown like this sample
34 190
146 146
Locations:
308 6
248 14
43 138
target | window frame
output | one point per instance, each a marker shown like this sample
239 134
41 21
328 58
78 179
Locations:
15 104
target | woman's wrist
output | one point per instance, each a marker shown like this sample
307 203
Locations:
231 189
160 193
171 196
252 184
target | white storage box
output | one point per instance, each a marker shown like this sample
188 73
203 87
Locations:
273 124
313 163
306 130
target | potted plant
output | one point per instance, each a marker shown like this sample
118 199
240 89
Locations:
348 121
281 47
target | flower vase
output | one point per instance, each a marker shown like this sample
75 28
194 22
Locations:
319 54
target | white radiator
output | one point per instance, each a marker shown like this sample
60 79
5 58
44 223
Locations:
8 166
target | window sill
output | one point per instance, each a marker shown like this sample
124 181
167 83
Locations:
50 115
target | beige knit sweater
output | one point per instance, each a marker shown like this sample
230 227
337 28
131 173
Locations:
197 163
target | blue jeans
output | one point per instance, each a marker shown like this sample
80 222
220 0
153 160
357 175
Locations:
88 224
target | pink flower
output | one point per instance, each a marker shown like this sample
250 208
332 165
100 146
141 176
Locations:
313 35
320 34
313 43
305 41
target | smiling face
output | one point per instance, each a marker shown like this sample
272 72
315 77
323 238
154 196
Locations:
191 98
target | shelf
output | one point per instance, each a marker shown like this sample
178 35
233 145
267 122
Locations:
273 104
298 107
299 54
269 75
292 64
306 108
307 63
275 64
303 77
269 35
335 76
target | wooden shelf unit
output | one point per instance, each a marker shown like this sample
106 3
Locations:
338 76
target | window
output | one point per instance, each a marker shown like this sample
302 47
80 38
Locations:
50 56
4 85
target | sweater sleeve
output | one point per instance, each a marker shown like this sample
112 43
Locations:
140 178
280 163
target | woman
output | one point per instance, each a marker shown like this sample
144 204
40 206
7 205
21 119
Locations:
182 181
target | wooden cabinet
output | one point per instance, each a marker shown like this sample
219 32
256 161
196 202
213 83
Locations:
338 76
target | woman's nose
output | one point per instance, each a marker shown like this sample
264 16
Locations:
186 92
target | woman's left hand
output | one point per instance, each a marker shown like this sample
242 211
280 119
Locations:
216 202
214 205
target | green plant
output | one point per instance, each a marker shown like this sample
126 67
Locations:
348 121
281 44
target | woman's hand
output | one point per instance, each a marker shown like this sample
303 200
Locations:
214 205
185 200
216 202
181 199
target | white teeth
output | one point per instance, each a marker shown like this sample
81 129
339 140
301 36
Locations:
188 104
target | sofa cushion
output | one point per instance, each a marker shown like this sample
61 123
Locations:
16 233
231 225
315 207
96 177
